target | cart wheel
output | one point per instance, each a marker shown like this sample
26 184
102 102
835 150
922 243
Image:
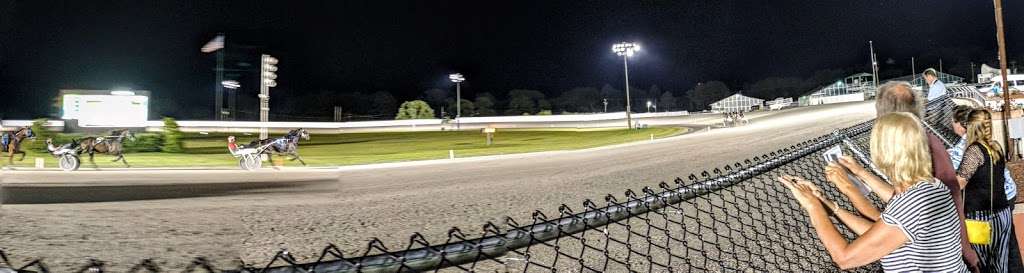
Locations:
255 163
249 162
69 162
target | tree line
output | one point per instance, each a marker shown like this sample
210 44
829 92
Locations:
441 102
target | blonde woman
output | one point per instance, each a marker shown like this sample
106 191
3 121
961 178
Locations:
981 176
919 228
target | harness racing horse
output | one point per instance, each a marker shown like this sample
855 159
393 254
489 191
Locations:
111 145
12 143
288 145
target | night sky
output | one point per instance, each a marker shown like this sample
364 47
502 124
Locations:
406 47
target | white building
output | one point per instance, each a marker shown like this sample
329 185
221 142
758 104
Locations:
856 87
736 103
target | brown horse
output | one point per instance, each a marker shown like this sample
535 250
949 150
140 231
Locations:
13 143
111 145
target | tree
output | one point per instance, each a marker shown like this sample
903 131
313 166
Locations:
639 99
543 105
580 99
822 77
522 101
172 137
704 94
436 97
654 93
484 103
468 109
355 102
774 87
520 105
667 101
383 103
616 98
416 109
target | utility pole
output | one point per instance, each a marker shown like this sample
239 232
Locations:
974 77
874 64
1001 39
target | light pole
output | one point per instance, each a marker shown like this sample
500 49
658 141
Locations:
874 65
626 50
457 78
217 44
648 106
606 105
268 65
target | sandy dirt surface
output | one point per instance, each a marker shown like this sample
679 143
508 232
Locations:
250 225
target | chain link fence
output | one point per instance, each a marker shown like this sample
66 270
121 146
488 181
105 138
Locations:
736 218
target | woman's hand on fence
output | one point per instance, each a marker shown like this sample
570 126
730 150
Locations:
803 191
852 165
837 175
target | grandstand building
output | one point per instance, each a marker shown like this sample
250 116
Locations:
736 103
917 80
856 87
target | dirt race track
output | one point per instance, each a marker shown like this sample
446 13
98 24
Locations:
231 217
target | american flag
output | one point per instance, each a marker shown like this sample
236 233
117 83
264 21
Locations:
214 45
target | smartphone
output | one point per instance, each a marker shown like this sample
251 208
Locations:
832 155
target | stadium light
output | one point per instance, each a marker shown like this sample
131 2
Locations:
457 78
626 50
231 84
122 93
268 69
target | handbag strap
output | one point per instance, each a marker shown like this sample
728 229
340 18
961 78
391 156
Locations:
991 182
991 178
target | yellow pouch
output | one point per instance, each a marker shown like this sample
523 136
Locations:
979 232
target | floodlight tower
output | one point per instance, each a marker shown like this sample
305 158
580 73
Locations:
268 67
457 78
626 50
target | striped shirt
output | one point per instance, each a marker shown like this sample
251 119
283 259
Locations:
926 215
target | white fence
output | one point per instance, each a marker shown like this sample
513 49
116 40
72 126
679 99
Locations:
835 99
553 121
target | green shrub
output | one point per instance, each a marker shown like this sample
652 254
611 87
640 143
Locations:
41 133
172 138
416 109
144 142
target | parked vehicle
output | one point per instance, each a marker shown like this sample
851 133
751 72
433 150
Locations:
1015 81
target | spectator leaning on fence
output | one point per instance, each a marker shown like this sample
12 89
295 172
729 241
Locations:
935 86
919 227
981 176
894 97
